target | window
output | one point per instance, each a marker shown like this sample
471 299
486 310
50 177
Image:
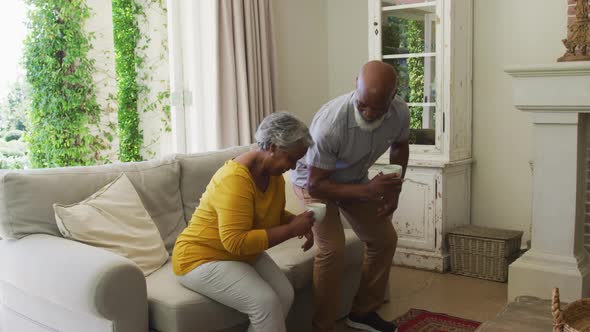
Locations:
14 96
434 80
408 42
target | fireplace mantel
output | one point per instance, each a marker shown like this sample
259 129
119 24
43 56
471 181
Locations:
558 98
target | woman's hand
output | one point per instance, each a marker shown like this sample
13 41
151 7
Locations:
302 224
308 242
298 226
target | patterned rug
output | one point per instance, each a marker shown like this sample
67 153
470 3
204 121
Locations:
417 320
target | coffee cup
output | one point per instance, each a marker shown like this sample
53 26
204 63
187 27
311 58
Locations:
319 210
391 169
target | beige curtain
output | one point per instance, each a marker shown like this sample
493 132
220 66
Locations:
246 68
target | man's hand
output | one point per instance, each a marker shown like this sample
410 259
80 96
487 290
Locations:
321 186
389 206
383 185
309 242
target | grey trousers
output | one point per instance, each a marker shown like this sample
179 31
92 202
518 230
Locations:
260 290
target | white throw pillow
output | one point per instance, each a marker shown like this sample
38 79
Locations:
115 219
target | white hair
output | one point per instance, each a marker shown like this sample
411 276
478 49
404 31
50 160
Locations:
283 130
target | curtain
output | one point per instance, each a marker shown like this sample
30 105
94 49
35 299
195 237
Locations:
246 67
224 55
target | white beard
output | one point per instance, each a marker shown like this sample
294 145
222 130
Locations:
364 124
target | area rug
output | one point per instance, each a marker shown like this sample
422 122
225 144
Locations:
416 320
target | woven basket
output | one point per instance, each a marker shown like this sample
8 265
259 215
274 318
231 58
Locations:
574 318
483 252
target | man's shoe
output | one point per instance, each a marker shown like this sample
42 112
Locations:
370 322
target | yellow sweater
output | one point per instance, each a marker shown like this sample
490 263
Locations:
231 219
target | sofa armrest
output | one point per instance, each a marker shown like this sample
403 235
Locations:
77 277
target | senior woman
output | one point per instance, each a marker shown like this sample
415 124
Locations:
221 254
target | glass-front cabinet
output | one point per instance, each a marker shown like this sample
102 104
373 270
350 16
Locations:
429 44
408 42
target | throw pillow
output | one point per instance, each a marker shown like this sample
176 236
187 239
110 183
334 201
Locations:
115 219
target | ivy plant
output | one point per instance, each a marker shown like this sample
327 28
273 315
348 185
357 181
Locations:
65 126
59 72
153 93
416 71
401 35
126 36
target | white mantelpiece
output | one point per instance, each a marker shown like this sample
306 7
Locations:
558 97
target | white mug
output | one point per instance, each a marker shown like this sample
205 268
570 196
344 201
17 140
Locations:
390 169
319 210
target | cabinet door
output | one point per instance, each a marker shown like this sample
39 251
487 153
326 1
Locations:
414 219
429 43
405 34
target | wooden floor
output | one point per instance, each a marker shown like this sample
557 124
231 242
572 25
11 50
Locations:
447 293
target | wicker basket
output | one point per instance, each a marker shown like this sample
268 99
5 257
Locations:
575 317
483 252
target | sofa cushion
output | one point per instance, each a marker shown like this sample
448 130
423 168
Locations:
26 196
173 308
114 219
298 265
197 169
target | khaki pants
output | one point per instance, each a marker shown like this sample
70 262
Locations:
380 241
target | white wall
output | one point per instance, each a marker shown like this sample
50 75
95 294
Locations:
319 59
507 32
302 56
320 48
347 43
101 24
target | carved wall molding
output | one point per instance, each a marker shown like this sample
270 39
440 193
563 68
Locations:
577 43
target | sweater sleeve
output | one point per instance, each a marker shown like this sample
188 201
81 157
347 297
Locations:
286 217
234 202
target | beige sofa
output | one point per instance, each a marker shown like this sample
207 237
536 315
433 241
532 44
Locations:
48 283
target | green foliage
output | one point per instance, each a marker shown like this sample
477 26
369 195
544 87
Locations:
13 123
126 37
400 36
149 98
394 37
13 135
416 70
64 114
163 99
59 72
13 155
13 162
153 94
14 108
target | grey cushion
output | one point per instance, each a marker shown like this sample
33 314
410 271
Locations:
26 196
197 169
173 308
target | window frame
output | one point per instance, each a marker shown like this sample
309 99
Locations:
376 13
